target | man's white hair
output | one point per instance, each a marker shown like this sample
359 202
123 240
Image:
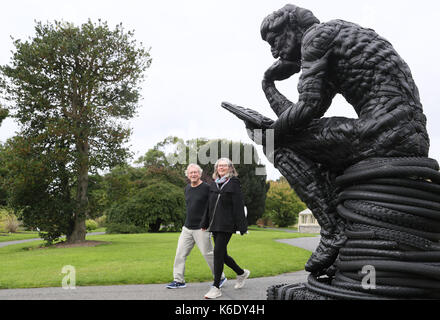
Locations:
193 165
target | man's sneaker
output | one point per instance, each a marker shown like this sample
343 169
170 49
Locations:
222 282
241 278
176 285
213 293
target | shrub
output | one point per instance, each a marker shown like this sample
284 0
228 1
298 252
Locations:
91 225
282 204
3 213
160 203
114 227
102 220
265 221
11 224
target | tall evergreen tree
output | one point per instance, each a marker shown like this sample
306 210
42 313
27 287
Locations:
69 87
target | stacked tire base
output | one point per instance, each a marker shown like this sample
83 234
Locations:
392 211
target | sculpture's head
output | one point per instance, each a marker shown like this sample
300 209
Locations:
284 30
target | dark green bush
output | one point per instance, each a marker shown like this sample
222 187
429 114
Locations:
160 203
114 227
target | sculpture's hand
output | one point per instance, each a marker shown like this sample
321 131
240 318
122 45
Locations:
256 124
281 70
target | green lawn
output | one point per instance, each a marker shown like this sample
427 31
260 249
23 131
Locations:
22 235
142 259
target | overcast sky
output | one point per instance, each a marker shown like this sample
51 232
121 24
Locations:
208 51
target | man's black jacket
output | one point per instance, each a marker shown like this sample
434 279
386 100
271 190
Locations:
225 212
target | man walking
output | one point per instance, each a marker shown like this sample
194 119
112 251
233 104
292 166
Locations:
196 197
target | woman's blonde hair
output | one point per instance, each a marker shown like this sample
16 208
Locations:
231 172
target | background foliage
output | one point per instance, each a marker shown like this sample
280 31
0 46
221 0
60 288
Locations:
282 203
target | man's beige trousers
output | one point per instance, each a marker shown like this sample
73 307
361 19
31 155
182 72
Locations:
185 244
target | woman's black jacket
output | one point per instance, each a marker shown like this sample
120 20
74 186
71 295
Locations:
225 212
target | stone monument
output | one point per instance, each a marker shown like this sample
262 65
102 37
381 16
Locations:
307 222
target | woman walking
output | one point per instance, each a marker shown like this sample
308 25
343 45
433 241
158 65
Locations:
224 216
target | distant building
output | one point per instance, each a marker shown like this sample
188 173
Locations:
307 222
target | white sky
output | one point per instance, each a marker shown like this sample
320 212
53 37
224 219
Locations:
208 51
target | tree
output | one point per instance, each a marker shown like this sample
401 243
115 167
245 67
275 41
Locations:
3 114
158 203
145 197
3 175
247 162
282 203
157 156
70 89
254 189
122 182
97 196
3 191
38 187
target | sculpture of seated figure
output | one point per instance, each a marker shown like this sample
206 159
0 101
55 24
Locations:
310 150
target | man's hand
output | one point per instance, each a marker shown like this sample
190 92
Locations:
282 70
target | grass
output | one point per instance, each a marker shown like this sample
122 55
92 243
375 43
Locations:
21 235
142 259
280 228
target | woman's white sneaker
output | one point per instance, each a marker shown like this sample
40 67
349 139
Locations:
241 279
213 293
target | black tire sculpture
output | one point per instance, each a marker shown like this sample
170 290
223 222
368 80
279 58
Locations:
392 224
368 181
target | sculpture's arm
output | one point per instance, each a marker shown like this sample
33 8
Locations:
316 91
278 102
280 70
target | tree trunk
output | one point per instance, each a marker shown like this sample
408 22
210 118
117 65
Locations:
155 226
79 230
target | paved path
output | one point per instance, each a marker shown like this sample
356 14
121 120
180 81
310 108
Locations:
254 289
309 243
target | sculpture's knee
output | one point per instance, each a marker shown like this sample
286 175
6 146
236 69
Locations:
332 142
